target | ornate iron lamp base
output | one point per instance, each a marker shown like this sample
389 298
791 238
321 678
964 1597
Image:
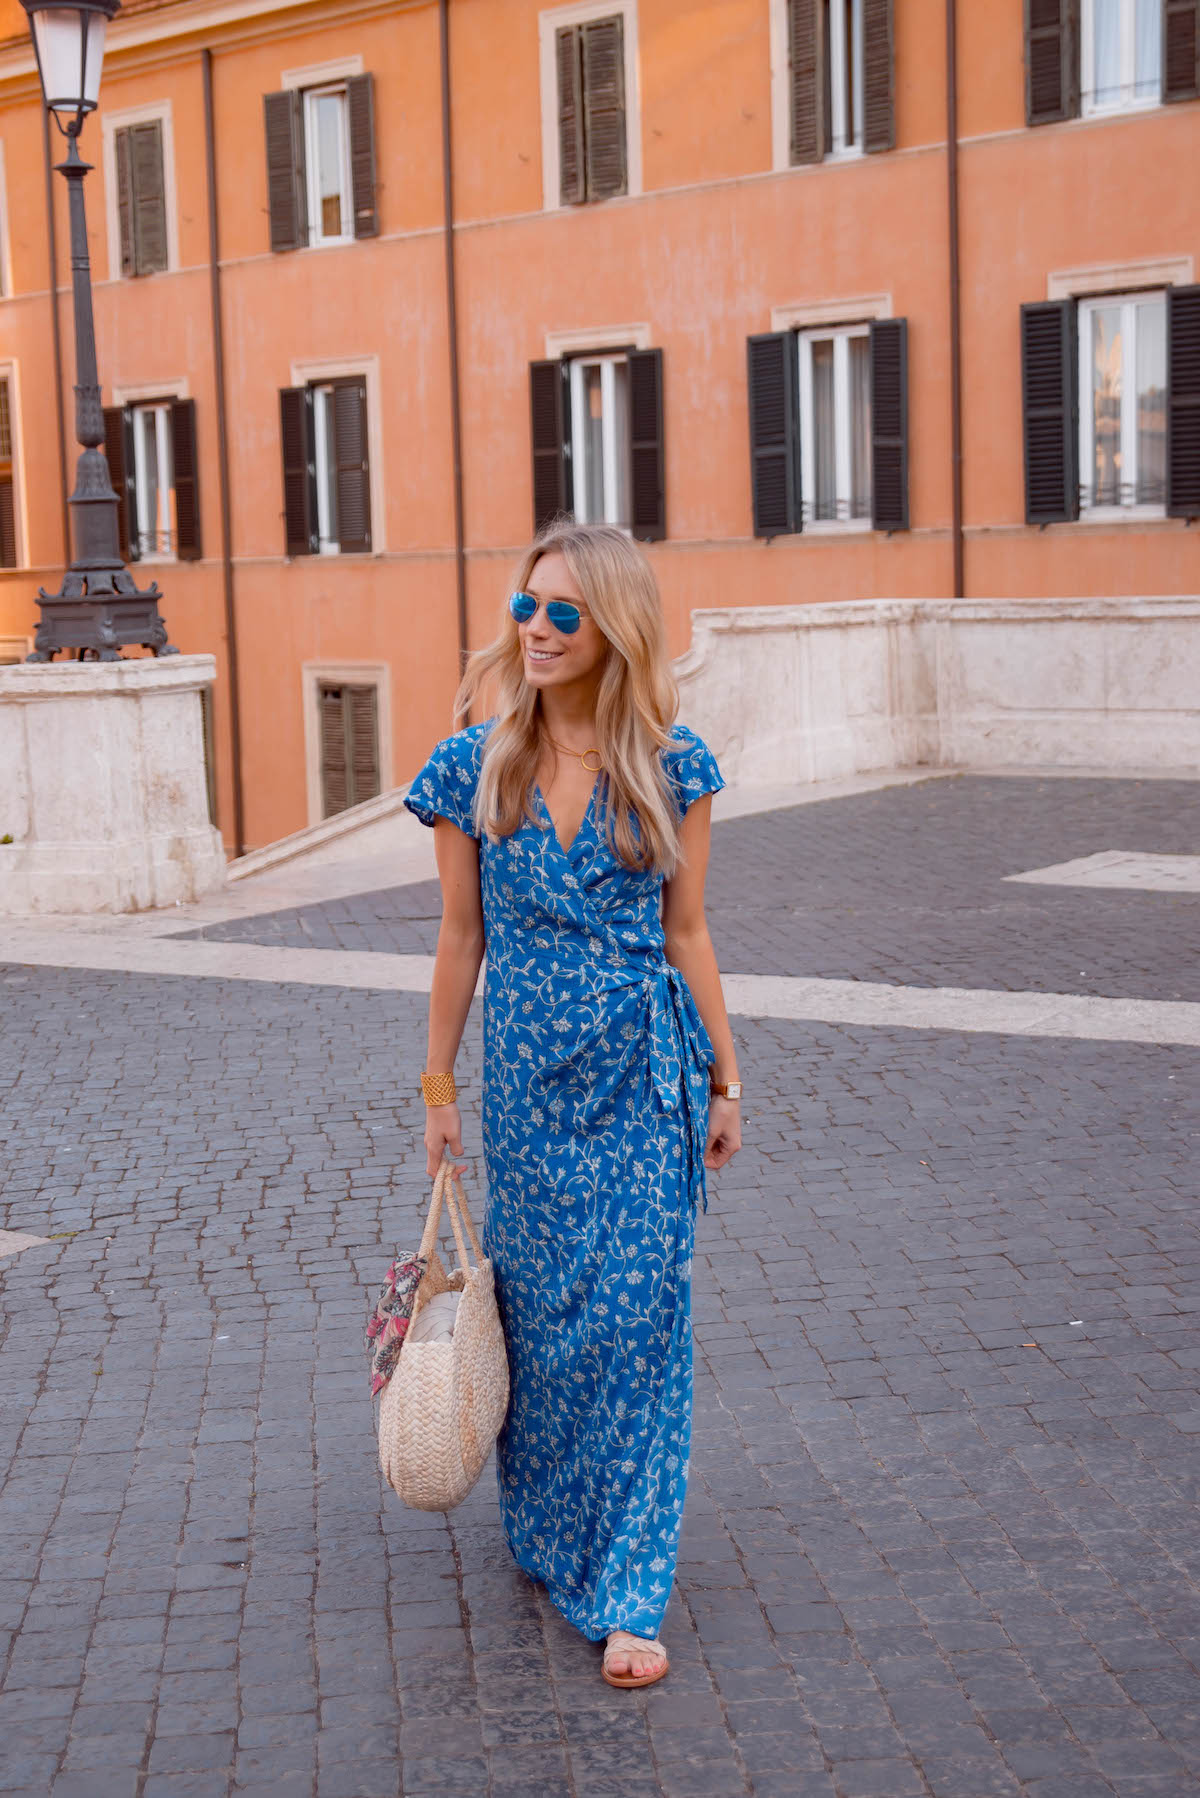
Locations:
97 610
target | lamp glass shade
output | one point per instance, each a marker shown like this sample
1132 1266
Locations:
70 49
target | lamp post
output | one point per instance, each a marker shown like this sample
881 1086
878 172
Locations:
99 606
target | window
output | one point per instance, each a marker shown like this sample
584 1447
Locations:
321 187
326 467
8 509
591 110
348 717
1123 395
141 198
599 439
829 427
1122 54
151 450
597 430
833 78
835 425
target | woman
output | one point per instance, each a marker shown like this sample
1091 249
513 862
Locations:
572 835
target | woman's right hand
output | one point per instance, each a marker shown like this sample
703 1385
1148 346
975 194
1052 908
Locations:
443 1134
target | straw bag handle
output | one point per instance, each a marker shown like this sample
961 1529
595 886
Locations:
447 1187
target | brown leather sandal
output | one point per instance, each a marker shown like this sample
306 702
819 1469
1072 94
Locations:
621 1642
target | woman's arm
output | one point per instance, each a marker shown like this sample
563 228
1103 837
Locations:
689 948
460 949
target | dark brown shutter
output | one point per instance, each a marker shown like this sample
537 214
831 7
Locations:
647 482
1183 402
125 203
1049 359
287 201
360 105
879 112
335 768
807 80
299 472
118 447
362 739
349 732
570 115
550 433
1181 49
774 433
352 464
889 424
149 197
1051 60
604 107
187 500
8 523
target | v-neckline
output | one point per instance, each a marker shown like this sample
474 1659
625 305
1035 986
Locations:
567 848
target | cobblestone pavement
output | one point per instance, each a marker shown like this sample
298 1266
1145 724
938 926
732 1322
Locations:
905 885
941 1533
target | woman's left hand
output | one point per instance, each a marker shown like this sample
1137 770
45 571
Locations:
724 1132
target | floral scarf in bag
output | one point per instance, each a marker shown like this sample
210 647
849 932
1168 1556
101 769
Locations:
390 1319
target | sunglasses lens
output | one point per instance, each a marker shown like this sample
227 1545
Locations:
563 617
522 607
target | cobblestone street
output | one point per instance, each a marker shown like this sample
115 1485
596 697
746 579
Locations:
941 1537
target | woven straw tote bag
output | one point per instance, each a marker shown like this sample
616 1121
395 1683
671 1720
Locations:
442 1409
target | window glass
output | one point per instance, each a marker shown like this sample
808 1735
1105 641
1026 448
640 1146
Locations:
326 154
1107 350
824 431
1147 74
1151 337
1122 53
844 72
153 478
860 426
326 461
1106 52
600 439
835 425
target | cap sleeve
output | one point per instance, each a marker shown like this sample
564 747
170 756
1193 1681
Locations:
445 787
691 768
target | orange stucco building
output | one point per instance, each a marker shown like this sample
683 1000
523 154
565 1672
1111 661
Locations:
703 285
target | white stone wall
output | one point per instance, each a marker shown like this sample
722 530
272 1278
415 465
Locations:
102 786
805 693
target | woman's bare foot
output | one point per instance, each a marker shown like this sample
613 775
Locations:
633 1660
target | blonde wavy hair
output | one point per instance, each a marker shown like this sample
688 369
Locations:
635 706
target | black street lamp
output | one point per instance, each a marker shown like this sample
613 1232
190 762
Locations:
99 606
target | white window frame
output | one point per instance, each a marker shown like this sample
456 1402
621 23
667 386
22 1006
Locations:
845 145
1128 303
10 372
607 361
314 373
356 674
843 464
316 237
549 24
6 286
781 92
111 122
1089 106
164 472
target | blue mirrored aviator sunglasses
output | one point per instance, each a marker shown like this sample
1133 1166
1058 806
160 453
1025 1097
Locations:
559 612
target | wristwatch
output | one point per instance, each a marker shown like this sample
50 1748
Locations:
731 1089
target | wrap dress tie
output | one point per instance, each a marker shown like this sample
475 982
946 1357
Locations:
595 1116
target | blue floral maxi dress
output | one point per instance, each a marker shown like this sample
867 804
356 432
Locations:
595 1113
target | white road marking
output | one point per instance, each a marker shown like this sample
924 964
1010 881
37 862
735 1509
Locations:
1130 869
15 1242
748 995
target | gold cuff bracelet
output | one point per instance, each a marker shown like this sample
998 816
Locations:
438 1089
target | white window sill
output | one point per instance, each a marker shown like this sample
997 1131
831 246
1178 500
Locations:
1120 514
851 153
329 243
1091 109
837 527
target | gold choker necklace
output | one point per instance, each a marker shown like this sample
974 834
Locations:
581 755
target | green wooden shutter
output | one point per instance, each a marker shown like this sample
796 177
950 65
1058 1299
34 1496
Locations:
1181 50
647 467
604 107
568 55
299 471
1049 381
360 107
1183 402
807 80
183 461
287 199
550 432
352 465
774 433
879 112
889 424
1051 60
118 447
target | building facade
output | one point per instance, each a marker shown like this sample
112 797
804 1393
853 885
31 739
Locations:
753 278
